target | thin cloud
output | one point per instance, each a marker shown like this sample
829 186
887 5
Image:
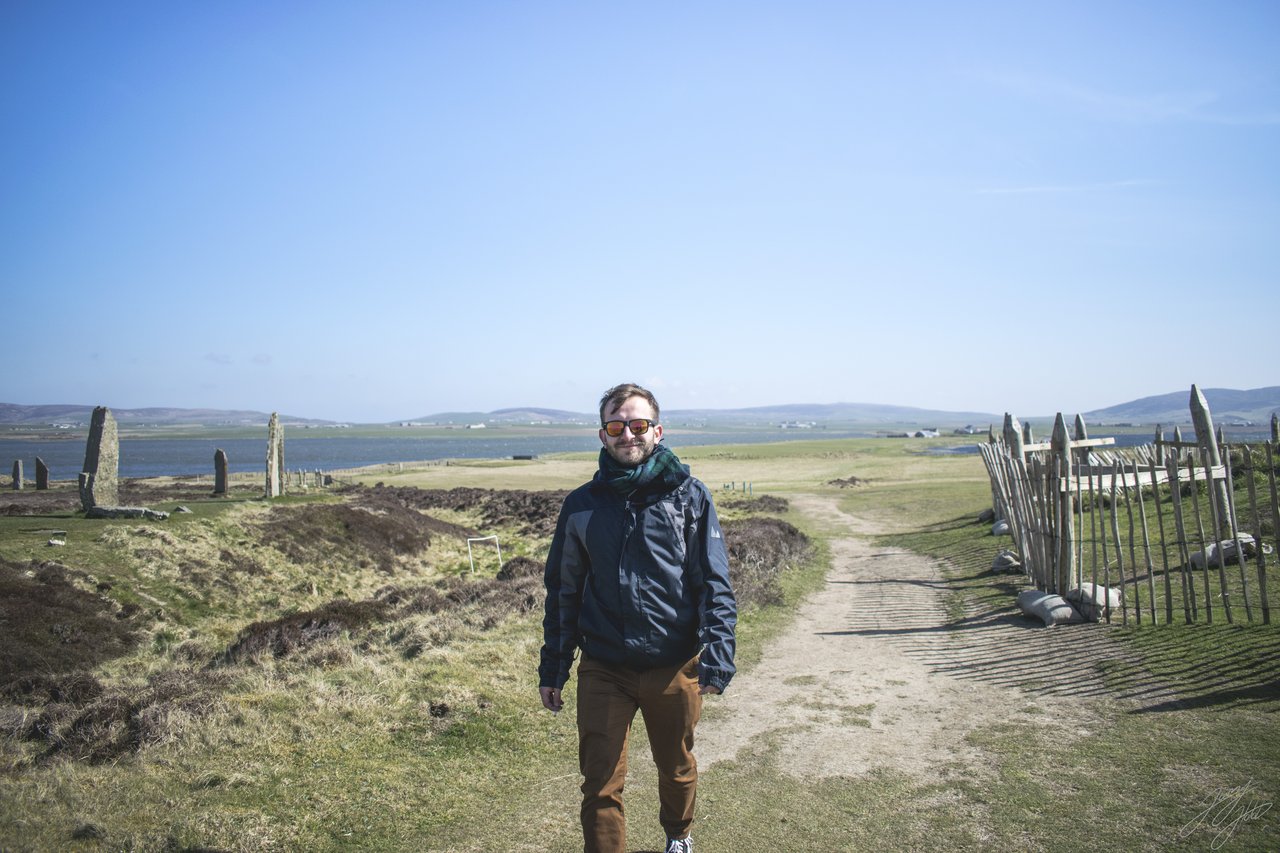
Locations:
262 358
218 357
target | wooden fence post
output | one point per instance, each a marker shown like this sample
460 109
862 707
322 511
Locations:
1204 540
1146 537
1066 551
1219 534
1115 536
1189 605
1082 461
1235 533
1164 545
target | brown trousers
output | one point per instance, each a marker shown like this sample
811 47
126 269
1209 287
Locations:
608 697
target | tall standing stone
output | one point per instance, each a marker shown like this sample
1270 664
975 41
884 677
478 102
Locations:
17 475
275 457
1208 440
219 472
99 480
42 475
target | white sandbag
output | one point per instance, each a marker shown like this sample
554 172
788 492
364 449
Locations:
1006 562
1092 599
1049 608
1227 548
1000 528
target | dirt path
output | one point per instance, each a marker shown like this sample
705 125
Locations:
871 676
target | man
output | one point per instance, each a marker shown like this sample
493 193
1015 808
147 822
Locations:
638 579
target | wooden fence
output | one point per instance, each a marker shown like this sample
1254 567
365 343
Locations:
1172 525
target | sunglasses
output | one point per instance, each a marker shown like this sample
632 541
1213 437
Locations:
638 426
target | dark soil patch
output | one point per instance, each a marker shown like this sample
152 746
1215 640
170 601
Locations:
51 627
320 534
117 722
848 482
520 567
481 603
297 632
761 503
761 549
535 512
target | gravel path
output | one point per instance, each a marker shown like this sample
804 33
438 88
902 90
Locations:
872 676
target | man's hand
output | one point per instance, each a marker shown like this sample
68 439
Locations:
708 689
551 699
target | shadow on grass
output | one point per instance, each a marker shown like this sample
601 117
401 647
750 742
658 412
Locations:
1158 668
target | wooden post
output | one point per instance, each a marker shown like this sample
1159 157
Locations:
1208 441
1257 532
1026 433
1133 555
1189 606
1219 533
1106 560
1235 532
1115 536
1146 538
1275 428
1195 505
1094 509
1160 445
1066 556
1164 545
1082 461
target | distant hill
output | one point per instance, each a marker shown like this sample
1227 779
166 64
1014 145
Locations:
822 413
831 413
520 415
1225 404
11 413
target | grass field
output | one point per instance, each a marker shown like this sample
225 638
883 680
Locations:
410 722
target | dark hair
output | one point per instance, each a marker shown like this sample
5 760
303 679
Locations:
619 394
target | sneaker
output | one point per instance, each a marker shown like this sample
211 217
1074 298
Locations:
680 845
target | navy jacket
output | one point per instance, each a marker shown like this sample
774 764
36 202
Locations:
639 583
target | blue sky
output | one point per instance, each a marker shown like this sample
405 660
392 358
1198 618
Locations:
373 211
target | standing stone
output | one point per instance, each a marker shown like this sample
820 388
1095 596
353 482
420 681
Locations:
42 475
219 472
275 457
17 475
99 480
1209 441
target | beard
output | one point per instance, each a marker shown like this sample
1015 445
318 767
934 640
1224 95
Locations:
632 454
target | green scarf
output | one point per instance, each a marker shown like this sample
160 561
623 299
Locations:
661 472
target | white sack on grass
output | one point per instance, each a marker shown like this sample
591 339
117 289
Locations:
1227 547
1091 599
1000 528
1047 607
1006 562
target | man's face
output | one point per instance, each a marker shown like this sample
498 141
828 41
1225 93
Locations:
630 450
